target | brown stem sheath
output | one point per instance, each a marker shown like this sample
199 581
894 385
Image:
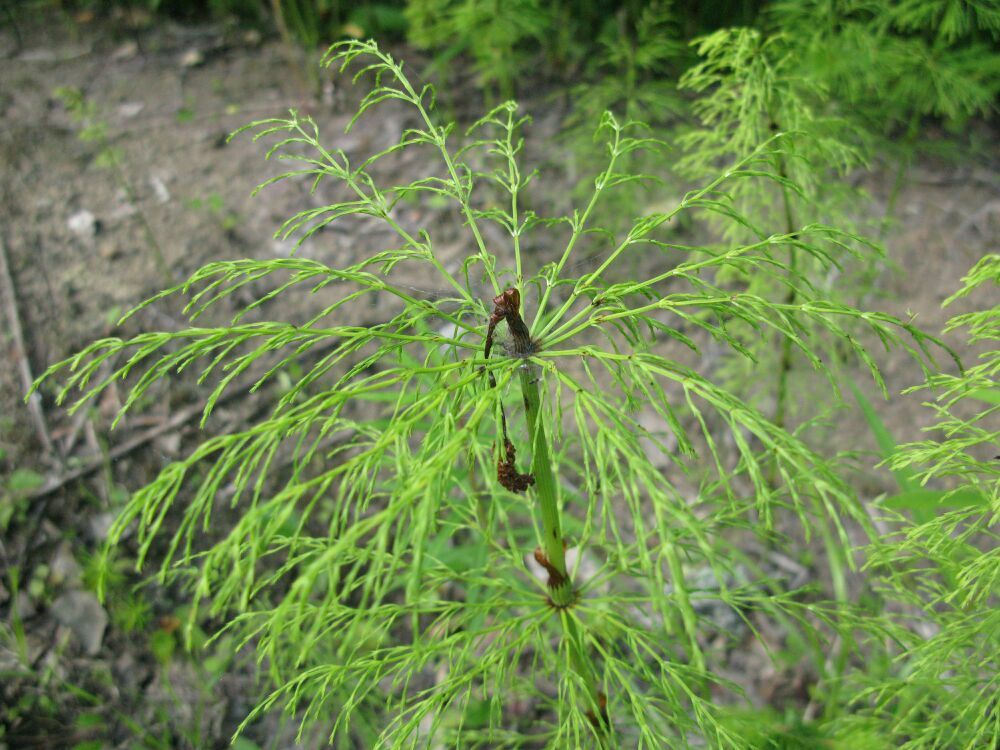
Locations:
507 306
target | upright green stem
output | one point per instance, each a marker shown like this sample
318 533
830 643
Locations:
545 486
562 594
781 409
905 162
834 550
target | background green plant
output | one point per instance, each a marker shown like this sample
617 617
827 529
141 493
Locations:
941 572
944 570
891 63
752 91
888 65
383 579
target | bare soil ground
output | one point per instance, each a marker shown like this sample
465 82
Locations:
79 240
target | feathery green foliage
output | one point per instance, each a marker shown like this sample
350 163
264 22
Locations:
944 572
751 92
750 88
384 578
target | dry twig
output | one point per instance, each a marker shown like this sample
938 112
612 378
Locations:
177 420
20 352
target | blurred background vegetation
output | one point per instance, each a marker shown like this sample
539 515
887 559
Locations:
885 63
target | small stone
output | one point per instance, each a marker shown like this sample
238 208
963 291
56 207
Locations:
100 525
122 211
109 250
159 189
51 55
126 52
169 444
83 224
328 93
25 605
128 110
64 567
283 248
192 58
124 208
83 615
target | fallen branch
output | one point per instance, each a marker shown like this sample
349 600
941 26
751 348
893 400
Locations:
20 353
177 420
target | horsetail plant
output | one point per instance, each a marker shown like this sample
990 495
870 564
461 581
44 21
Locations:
750 88
943 570
500 518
